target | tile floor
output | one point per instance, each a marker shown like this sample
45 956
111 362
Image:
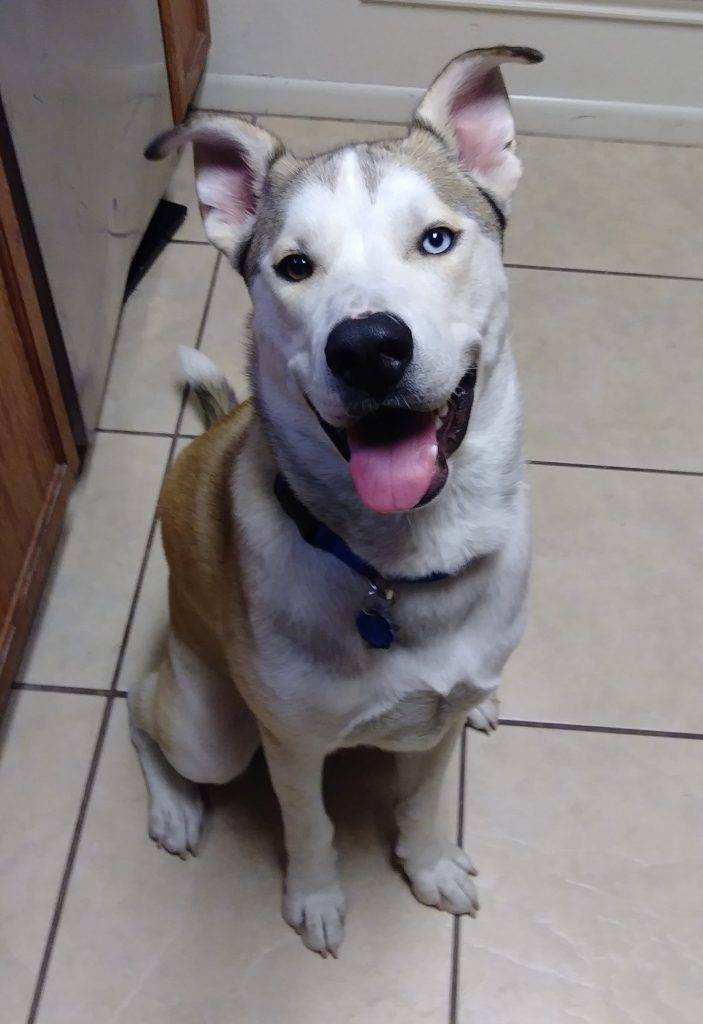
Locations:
584 812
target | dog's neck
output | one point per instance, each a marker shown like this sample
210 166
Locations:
469 518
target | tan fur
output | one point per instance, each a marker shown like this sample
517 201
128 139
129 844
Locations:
206 597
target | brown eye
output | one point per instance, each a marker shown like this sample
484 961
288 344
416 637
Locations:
295 267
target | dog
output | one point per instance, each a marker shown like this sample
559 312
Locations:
348 551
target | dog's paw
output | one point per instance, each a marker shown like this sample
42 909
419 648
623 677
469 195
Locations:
485 716
440 876
317 917
176 819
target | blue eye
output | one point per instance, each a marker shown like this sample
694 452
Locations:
437 241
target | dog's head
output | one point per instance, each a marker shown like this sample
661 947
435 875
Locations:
375 270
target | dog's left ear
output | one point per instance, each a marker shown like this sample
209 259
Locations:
467 106
232 160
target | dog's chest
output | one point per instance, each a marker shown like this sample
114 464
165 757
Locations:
414 718
321 674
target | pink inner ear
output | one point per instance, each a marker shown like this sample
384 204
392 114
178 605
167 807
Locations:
224 180
482 121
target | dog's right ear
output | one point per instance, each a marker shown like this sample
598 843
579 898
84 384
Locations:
232 159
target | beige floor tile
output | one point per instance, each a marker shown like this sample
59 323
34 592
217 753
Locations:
145 388
590 852
46 741
613 636
78 630
225 339
149 631
608 206
151 939
610 367
305 136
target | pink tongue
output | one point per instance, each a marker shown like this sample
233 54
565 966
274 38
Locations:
394 477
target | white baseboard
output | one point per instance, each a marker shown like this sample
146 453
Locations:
547 115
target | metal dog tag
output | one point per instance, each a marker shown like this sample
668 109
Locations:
374 621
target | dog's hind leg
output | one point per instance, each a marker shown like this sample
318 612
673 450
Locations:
189 726
175 803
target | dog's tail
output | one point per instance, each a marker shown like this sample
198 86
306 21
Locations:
211 388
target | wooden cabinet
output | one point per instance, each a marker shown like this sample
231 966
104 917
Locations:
186 30
38 459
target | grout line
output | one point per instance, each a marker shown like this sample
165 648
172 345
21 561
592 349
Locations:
82 690
530 462
616 730
113 692
456 921
188 241
133 433
604 273
617 469
155 518
70 860
111 359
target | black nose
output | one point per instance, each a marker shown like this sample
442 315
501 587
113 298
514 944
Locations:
370 353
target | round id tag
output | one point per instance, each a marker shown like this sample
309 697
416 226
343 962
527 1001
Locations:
373 620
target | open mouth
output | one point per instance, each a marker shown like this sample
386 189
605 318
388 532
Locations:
398 457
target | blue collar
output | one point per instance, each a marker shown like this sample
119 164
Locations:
320 536
373 621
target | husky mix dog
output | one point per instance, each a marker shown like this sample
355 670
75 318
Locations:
348 551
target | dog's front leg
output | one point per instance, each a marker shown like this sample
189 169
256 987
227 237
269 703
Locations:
438 869
313 901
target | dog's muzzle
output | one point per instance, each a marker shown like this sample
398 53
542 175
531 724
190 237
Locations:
398 456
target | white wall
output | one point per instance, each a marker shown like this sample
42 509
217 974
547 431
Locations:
631 74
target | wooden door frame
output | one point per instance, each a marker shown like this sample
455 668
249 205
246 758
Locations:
184 69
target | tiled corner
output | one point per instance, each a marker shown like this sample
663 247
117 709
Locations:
306 136
613 635
590 852
225 339
46 742
145 389
610 367
613 206
78 630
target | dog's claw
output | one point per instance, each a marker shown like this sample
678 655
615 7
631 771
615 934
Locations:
440 876
484 717
318 918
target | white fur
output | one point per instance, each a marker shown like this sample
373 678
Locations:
197 368
316 687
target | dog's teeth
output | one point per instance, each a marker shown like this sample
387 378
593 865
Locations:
437 422
444 410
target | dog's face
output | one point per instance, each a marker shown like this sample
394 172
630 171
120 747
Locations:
375 270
